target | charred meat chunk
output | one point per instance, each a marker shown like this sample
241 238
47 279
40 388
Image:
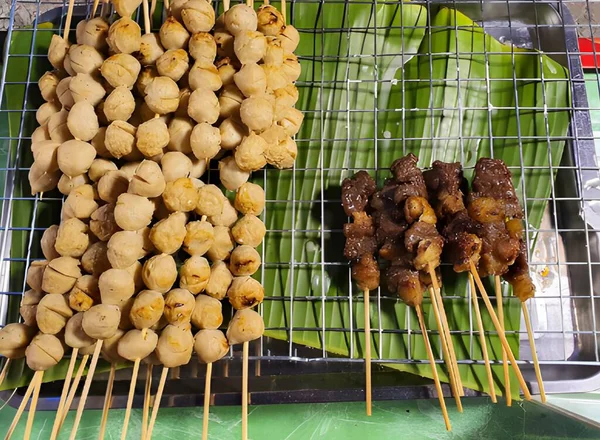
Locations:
356 191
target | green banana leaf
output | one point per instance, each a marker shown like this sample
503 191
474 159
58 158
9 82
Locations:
417 107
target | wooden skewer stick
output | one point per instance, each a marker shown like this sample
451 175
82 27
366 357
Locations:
536 362
245 350
486 359
368 352
95 8
147 397
147 27
107 401
167 7
33 406
22 406
4 370
72 392
436 379
86 388
283 11
206 401
159 393
501 334
134 374
152 7
64 393
446 350
446 329
226 5
68 20
499 301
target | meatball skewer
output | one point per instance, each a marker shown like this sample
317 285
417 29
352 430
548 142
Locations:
100 322
210 346
76 338
140 342
174 349
14 339
360 249
43 352
493 181
444 184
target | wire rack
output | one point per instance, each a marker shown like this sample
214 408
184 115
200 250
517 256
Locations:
565 247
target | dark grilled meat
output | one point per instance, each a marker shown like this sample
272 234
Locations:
462 242
405 170
360 237
361 244
366 273
446 186
493 179
518 276
356 192
406 283
424 241
498 249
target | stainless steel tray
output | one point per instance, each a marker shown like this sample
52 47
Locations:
567 247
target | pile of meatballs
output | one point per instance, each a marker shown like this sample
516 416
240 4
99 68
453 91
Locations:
146 251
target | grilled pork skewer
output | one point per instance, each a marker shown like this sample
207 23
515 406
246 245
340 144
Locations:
359 250
494 196
445 184
410 242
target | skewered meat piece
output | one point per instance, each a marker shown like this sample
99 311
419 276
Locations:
445 183
518 276
446 186
493 179
360 236
403 280
462 242
366 272
425 242
356 192
408 179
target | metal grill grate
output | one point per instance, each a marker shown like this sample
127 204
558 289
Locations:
565 245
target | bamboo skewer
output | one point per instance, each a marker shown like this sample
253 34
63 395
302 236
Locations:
368 352
147 27
445 350
68 20
245 390
446 329
486 359
33 406
107 402
283 11
147 397
152 7
22 406
436 379
4 370
499 301
64 394
226 5
72 391
95 8
536 363
134 374
156 406
86 388
206 401
501 334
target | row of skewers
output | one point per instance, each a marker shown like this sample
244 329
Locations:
419 219
130 165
